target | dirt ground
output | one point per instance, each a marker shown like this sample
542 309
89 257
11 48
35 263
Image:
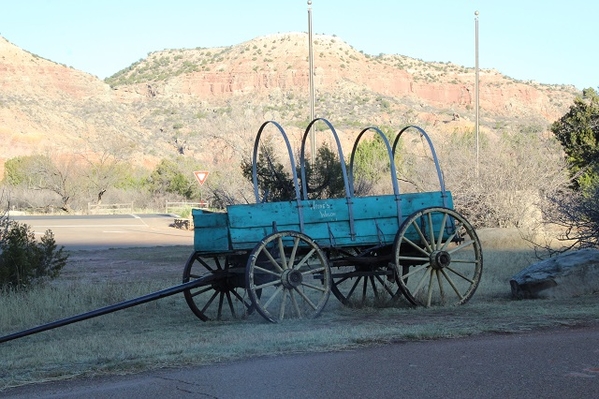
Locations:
168 262
126 264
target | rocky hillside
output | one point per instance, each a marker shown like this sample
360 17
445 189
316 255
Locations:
209 102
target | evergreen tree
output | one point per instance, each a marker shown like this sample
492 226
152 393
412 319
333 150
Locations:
578 132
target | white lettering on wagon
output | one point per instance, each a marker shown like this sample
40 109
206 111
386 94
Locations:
324 209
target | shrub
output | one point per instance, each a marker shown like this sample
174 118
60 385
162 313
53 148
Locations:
24 261
578 214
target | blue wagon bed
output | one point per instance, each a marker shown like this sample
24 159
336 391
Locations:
373 221
283 258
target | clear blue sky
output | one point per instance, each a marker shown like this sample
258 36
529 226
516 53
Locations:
547 41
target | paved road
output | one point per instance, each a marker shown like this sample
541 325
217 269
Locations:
109 231
560 363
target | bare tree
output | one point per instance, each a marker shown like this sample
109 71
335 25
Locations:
505 189
58 175
577 215
103 163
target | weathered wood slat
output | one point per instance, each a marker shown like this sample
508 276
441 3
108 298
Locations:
211 231
327 221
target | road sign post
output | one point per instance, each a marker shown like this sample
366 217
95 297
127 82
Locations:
201 177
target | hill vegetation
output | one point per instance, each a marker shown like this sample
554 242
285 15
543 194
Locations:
180 110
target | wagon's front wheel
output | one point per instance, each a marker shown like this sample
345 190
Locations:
438 258
222 294
288 276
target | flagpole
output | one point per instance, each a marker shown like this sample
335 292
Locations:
311 81
476 90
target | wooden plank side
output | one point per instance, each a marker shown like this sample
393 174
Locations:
332 234
327 221
210 232
246 238
286 213
413 202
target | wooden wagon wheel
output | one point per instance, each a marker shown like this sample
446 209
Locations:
223 294
365 277
288 276
438 258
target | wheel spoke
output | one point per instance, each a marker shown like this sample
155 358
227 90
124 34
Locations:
314 287
442 230
282 254
364 288
441 290
303 295
204 289
431 231
416 270
461 246
230 302
267 271
422 238
274 295
304 259
450 239
375 291
421 282
205 264
282 305
450 281
430 289
385 285
209 302
272 260
417 247
243 300
471 281
295 305
296 242
313 271
269 284
221 300
353 288
341 280
416 258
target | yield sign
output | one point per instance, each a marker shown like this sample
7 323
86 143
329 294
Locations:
200 176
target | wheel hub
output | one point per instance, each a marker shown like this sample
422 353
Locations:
292 278
440 259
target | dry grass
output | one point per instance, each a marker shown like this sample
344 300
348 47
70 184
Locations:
166 334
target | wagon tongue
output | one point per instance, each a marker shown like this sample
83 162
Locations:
112 308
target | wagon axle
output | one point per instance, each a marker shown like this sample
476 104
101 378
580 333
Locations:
292 278
440 259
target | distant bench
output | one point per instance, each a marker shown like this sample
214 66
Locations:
178 207
110 208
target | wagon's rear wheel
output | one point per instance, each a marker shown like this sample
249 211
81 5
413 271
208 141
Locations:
365 278
438 258
222 295
288 276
